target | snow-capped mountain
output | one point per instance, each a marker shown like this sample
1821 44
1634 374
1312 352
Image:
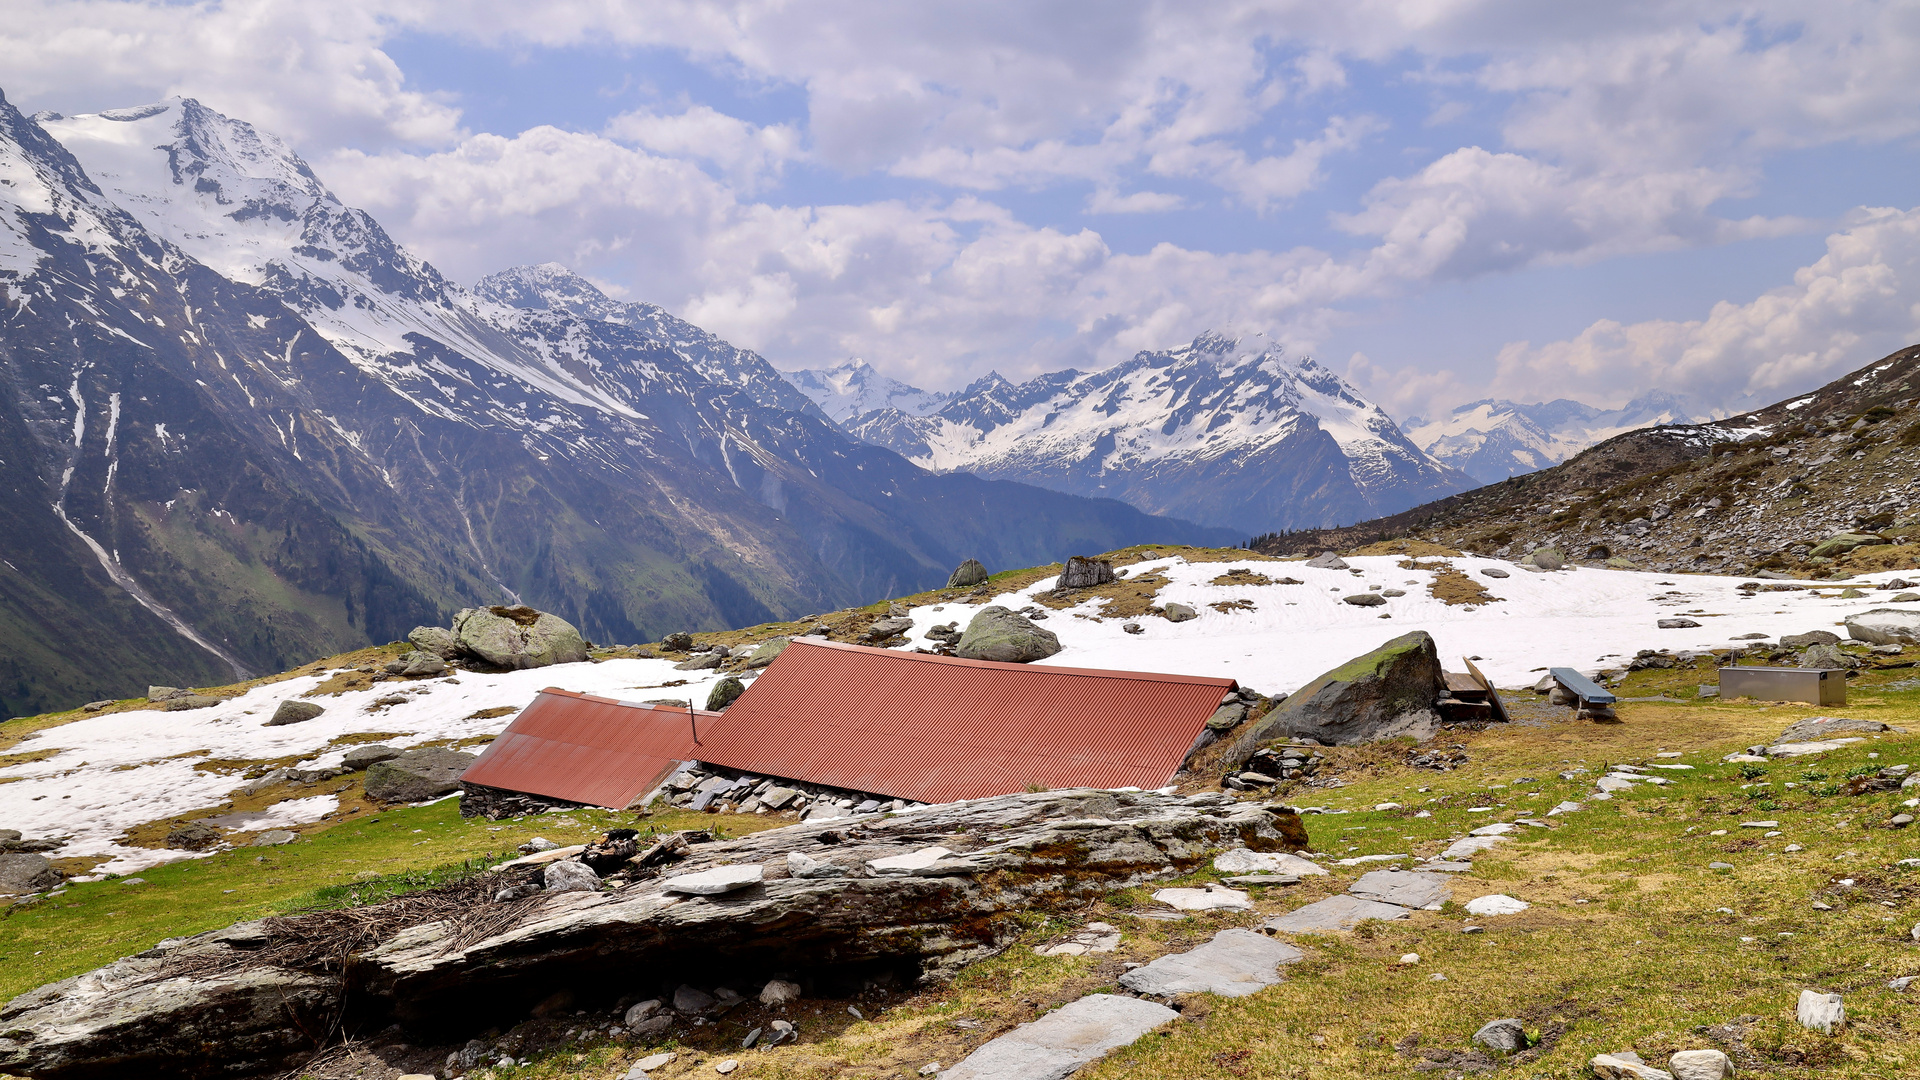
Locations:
1221 431
1491 440
851 390
240 427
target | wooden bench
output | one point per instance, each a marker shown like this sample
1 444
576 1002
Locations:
1593 699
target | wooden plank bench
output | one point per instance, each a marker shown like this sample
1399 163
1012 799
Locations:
1593 699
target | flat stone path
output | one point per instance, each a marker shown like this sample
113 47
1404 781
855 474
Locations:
1056 1045
1234 964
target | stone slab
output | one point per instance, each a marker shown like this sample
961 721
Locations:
1406 888
720 879
1234 964
1211 898
1242 861
905 865
1496 904
1471 846
1333 914
1059 1043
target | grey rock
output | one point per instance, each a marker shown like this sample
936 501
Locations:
434 640
1825 657
1180 613
997 633
1333 914
702 662
1059 1043
569 875
186 702
417 663
1811 637
1546 558
1391 593
165 693
275 838
641 1011
24 872
1365 599
1700 1065
96 706
1820 1012
417 775
1624 1065
1035 854
724 693
518 637
693 1001
1227 717
1677 624
716 881
1885 626
193 836
1234 964
1907 598
679 641
294 712
1494 571
1327 560
1384 694
1407 888
361 757
766 652
1082 572
888 627
1508 1036
967 575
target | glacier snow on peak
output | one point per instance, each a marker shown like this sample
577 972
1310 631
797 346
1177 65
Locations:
1491 440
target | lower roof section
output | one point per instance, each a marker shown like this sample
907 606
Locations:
936 729
592 750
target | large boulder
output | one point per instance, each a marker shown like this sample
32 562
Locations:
292 711
1885 626
437 640
997 633
362 757
24 872
417 775
252 997
518 637
1841 543
967 575
1387 693
1084 573
724 693
767 652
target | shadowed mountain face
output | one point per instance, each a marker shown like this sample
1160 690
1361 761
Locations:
1221 431
240 427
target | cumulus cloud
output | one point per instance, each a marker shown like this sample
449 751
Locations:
1852 306
751 155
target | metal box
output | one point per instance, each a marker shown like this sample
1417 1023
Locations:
1815 686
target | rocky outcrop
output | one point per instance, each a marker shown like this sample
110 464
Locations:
766 653
967 575
1885 626
1084 573
998 633
724 693
244 999
436 640
417 663
417 775
517 637
1387 693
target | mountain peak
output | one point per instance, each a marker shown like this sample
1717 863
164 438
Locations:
550 286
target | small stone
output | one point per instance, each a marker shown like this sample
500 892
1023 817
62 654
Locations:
1507 1036
1497 904
1625 1065
1719 866
1820 1012
727 1066
779 992
1210 898
693 1001
642 1011
718 880
1180 613
1900 821
570 875
1495 572
1410 958
275 837
1700 1065
1901 983
1676 624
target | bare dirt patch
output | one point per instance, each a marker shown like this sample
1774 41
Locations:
1451 586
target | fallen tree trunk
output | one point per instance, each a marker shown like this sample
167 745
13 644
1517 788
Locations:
251 999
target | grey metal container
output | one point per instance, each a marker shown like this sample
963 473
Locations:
1816 686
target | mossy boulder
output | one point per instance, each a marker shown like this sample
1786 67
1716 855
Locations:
724 693
1384 694
767 653
1841 543
417 775
997 633
518 637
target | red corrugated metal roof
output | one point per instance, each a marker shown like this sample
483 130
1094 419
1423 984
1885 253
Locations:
936 728
589 749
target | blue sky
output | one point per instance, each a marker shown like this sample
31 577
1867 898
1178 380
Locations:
1443 201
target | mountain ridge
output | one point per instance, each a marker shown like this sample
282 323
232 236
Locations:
1493 439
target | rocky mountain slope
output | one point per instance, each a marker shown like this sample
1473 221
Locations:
240 427
1825 484
846 392
1491 440
1221 431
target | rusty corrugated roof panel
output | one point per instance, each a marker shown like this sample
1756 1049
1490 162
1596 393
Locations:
588 749
936 728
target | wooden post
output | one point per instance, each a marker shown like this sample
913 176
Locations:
692 723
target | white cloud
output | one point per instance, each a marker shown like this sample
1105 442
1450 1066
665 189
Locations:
1852 306
751 155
